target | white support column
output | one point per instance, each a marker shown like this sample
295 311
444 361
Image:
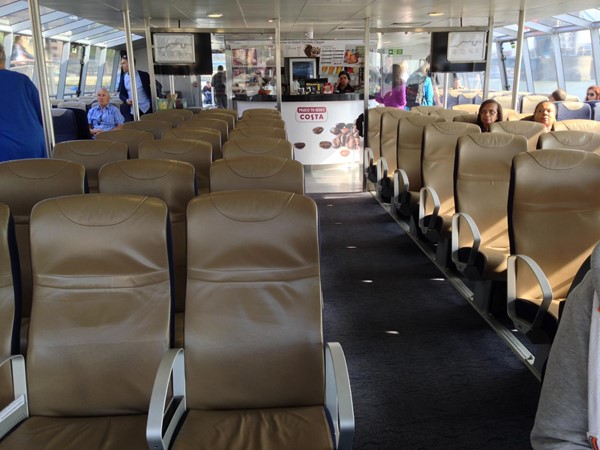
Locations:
150 51
518 56
40 66
278 62
488 59
131 62
366 63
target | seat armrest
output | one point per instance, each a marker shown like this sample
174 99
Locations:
171 367
368 159
423 196
521 324
455 244
338 395
17 410
382 169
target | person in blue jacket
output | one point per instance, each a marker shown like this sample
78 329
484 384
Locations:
21 126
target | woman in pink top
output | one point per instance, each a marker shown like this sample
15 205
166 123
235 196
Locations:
396 98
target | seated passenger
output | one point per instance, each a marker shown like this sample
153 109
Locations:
21 129
490 111
545 113
104 116
396 97
558 95
593 93
568 416
343 84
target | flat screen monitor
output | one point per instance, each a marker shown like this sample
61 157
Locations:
181 52
458 51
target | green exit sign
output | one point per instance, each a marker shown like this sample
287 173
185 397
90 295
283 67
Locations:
395 51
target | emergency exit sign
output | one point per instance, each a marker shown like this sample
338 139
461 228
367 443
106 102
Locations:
395 51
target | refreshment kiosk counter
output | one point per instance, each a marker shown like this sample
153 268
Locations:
320 126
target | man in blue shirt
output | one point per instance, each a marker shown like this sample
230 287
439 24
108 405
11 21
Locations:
104 116
21 129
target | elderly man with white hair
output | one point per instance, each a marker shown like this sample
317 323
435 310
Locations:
104 116
21 126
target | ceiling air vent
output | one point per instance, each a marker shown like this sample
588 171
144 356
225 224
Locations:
409 24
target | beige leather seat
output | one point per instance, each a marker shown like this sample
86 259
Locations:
530 101
480 243
258 146
174 116
133 139
467 107
260 122
530 130
373 139
257 172
99 322
23 183
468 118
447 114
578 125
407 179
155 127
257 372
208 122
258 131
174 183
10 297
574 140
213 137
217 114
387 163
554 224
197 153
426 110
93 155
436 199
261 112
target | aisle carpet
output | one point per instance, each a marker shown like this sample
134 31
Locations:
426 370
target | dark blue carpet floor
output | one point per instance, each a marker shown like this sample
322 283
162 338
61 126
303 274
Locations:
426 370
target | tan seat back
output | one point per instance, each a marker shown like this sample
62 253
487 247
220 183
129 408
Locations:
133 139
102 304
426 110
573 140
482 168
467 107
554 217
174 117
578 125
439 147
216 114
447 114
504 100
258 146
213 137
410 139
171 181
156 127
197 153
9 301
389 136
261 112
530 130
468 118
209 122
260 122
258 131
253 324
93 155
23 183
373 131
529 102
257 172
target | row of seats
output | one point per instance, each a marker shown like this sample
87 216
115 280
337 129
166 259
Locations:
480 197
526 102
101 368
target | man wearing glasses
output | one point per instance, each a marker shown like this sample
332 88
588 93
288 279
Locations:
104 116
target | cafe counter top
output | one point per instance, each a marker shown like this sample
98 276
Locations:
302 98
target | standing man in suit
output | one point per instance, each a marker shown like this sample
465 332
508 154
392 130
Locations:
143 90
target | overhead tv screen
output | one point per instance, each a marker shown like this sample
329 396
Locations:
462 51
181 52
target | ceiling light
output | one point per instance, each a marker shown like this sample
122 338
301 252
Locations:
215 15
435 14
